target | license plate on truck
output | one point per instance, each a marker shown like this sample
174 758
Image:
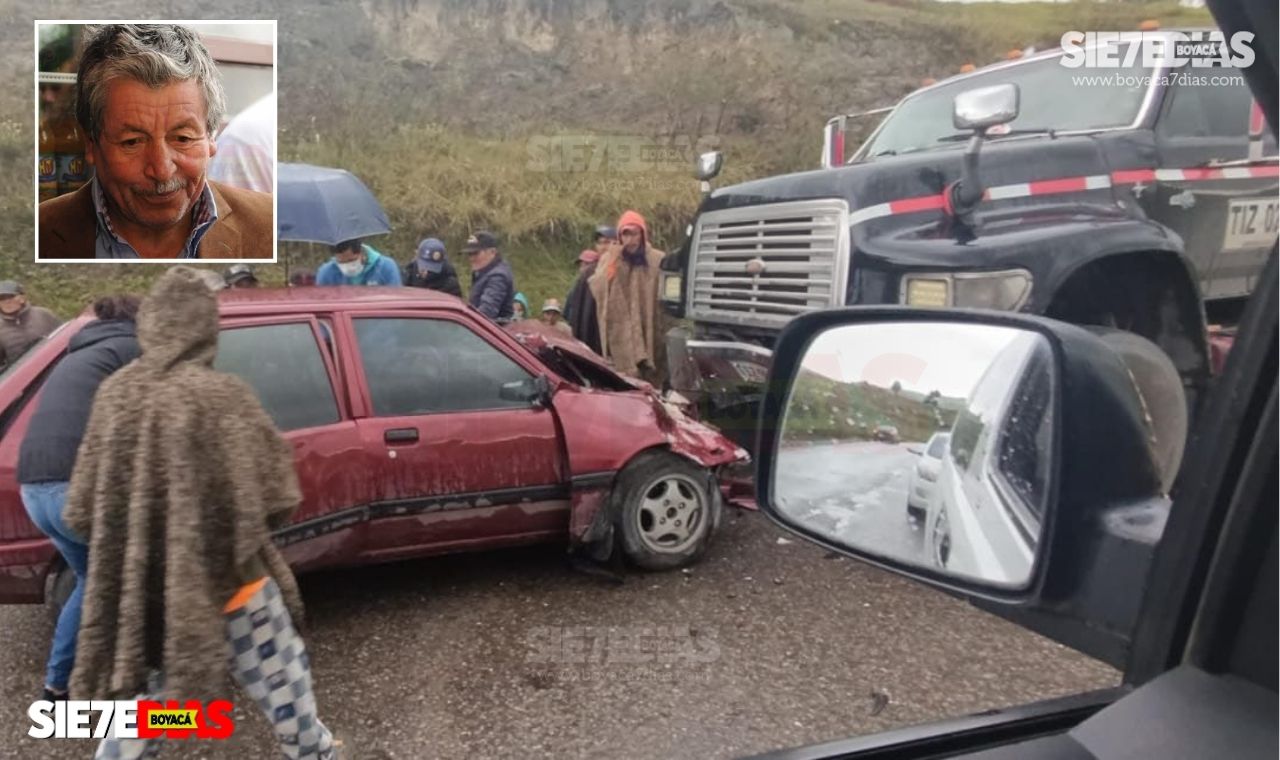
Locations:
1251 223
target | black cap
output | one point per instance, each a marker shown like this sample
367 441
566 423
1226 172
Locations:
10 288
607 231
480 241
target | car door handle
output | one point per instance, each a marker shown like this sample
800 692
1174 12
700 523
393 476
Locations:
401 435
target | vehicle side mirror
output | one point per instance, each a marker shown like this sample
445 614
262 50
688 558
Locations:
708 166
833 148
985 107
535 391
978 110
1045 425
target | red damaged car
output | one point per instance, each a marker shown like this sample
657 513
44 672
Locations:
419 427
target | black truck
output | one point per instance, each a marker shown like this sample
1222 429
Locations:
1132 198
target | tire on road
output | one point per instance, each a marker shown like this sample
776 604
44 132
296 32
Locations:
667 510
1158 385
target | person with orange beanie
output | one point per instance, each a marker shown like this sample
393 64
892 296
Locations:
625 287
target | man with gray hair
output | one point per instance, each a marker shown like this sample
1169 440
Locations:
149 100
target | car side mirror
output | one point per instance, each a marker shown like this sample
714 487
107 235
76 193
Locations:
985 107
535 391
1045 426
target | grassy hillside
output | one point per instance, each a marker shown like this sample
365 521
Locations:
821 409
519 114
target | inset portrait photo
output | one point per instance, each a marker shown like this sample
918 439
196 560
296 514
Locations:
155 141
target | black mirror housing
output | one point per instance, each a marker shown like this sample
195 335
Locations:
1102 461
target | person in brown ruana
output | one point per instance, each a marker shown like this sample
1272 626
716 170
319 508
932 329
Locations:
625 288
178 483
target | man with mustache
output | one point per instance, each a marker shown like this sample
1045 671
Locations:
148 101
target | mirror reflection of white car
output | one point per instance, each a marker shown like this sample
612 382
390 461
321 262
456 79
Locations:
924 476
984 518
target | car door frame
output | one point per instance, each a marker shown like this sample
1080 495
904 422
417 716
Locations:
362 409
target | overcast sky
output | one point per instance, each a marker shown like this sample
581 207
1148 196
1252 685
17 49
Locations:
923 356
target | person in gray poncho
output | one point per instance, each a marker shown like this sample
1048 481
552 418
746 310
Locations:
179 481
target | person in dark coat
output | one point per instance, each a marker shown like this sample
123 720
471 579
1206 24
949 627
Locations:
493 286
580 305
48 454
22 325
430 268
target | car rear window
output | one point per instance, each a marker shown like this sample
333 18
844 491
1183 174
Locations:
284 366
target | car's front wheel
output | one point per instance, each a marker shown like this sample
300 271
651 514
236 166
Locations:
668 510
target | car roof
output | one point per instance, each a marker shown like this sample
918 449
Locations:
245 301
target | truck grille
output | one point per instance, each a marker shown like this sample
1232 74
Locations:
762 265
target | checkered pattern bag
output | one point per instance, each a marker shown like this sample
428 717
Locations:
269 661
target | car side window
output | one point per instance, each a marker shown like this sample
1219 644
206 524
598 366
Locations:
283 364
1024 453
1201 109
425 366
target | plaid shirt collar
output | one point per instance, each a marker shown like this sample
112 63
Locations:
111 246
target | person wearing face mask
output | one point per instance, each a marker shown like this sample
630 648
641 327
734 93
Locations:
356 263
21 324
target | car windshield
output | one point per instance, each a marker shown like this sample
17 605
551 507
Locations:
1051 97
938 446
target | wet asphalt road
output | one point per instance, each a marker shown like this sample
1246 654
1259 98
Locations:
763 645
855 492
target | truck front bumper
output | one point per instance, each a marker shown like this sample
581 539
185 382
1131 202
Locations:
725 380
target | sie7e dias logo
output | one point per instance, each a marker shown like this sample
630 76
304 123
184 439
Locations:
130 719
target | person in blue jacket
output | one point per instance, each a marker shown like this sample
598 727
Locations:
356 263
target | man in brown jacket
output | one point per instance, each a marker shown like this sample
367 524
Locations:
21 324
625 287
177 485
148 103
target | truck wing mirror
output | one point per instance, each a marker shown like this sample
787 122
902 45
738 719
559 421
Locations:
978 110
985 107
833 142
708 166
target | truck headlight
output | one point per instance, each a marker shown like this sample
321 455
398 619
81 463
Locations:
1006 290
671 286
928 292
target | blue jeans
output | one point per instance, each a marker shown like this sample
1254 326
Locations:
44 502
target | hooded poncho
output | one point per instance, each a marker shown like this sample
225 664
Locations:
626 295
179 479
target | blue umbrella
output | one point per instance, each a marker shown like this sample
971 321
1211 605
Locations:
321 205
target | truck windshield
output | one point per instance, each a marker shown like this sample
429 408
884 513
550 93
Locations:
1052 97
